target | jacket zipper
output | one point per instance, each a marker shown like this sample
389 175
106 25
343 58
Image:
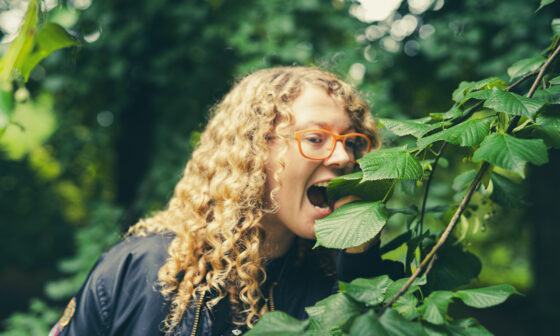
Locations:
197 314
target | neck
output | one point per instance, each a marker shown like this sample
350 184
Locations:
278 240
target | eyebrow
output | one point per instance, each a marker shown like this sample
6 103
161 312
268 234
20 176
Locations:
324 125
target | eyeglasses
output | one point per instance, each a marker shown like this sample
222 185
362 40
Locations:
319 144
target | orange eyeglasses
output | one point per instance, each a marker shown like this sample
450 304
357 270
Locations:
319 144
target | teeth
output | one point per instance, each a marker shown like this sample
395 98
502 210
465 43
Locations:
323 209
321 184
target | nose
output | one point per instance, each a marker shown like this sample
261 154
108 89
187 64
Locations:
340 157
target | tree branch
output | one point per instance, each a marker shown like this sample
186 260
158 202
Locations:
521 80
452 223
541 72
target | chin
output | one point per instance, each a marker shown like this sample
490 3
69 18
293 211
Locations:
309 233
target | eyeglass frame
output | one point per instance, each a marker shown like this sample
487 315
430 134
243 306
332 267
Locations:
337 137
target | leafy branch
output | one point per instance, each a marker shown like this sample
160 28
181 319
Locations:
35 41
457 121
466 199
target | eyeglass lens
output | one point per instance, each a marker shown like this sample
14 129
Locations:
319 145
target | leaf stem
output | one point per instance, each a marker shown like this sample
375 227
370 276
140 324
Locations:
430 265
466 199
425 199
389 191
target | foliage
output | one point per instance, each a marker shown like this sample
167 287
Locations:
34 42
129 101
494 124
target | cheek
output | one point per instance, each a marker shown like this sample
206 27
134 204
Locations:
292 179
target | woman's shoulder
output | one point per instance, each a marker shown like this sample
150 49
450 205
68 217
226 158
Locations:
149 248
119 297
135 257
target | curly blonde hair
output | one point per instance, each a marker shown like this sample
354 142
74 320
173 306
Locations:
216 210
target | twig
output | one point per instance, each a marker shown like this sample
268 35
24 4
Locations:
521 80
471 110
430 265
533 88
541 73
423 209
466 199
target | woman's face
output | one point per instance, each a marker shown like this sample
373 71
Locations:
313 109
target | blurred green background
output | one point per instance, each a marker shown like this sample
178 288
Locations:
108 126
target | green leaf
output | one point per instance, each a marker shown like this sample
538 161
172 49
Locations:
435 307
512 103
406 306
555 80
484 84
352 184
549 133
396 325
405 127
481 95
465 134
366 325
369 291
525 66
506 193
5 107
392 163
544 3
432 314
552 120
351 225
278 323
396 242
510 153
463 180
547 128
454 267
412 244
453 112
486 297
555 24
549 95
467 327
435 330
50 38
21 46
333 312
397 285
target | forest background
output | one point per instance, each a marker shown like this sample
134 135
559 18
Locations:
102 131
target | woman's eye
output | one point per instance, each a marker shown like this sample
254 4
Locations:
351 144
314 138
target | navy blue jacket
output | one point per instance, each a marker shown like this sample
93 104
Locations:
119 296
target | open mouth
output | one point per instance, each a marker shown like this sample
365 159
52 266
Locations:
317 195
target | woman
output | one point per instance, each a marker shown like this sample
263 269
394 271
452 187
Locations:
235 240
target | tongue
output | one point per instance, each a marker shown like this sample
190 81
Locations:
317 196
